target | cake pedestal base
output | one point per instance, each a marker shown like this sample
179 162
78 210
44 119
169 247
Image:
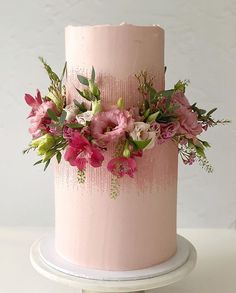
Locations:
47 263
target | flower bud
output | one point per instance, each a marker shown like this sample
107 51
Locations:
126 152
96 106
87 94
120 103
93 88
48 155
45 143
146 113
35 142
152 117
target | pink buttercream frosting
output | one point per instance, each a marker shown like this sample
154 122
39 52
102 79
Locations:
138 228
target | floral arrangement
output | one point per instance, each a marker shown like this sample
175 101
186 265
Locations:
82 131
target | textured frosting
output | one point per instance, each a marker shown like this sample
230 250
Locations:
138 229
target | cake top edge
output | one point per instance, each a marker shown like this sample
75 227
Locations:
122 25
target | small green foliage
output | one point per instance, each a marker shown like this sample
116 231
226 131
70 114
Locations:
63 117
181 85
206 117
204 163
75 125
93 74
57 92
82 79
141 144
81 106
92 92
38 162
46 164
51 74
52 115
58 157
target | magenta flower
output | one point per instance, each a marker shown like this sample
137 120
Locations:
111 125
167 131
80 152
121 166
33 102
38 116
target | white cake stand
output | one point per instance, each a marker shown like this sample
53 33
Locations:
49 264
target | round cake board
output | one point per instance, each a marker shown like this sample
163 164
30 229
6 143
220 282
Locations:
48 263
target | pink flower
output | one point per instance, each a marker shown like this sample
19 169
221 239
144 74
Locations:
190 160
80 152
33 102
134 112
180 98
189 125
121 166
188 120
110 125
38 116
167 131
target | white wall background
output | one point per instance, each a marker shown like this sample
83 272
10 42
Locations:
200 45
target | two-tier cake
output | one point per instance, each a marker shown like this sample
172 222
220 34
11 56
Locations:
138 228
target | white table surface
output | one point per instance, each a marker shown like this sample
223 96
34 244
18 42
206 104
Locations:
215 270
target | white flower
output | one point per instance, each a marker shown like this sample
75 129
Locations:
85 117
142 131
71 111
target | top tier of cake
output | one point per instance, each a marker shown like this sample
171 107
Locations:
117 53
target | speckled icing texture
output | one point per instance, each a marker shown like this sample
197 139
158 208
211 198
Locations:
138 229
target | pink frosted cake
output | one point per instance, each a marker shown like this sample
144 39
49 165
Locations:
114 134
138 228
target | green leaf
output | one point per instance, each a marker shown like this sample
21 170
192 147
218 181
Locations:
167 93
64 71
201 111
82 79
81 106
38 162
52 115
93 74
206 144
46 165
200 151
58 157
51 74
153 95
63 117
88 98
75 125
77 103
55 99
146 104
141 144
211 111
146 113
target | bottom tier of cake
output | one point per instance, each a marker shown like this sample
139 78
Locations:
134 231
